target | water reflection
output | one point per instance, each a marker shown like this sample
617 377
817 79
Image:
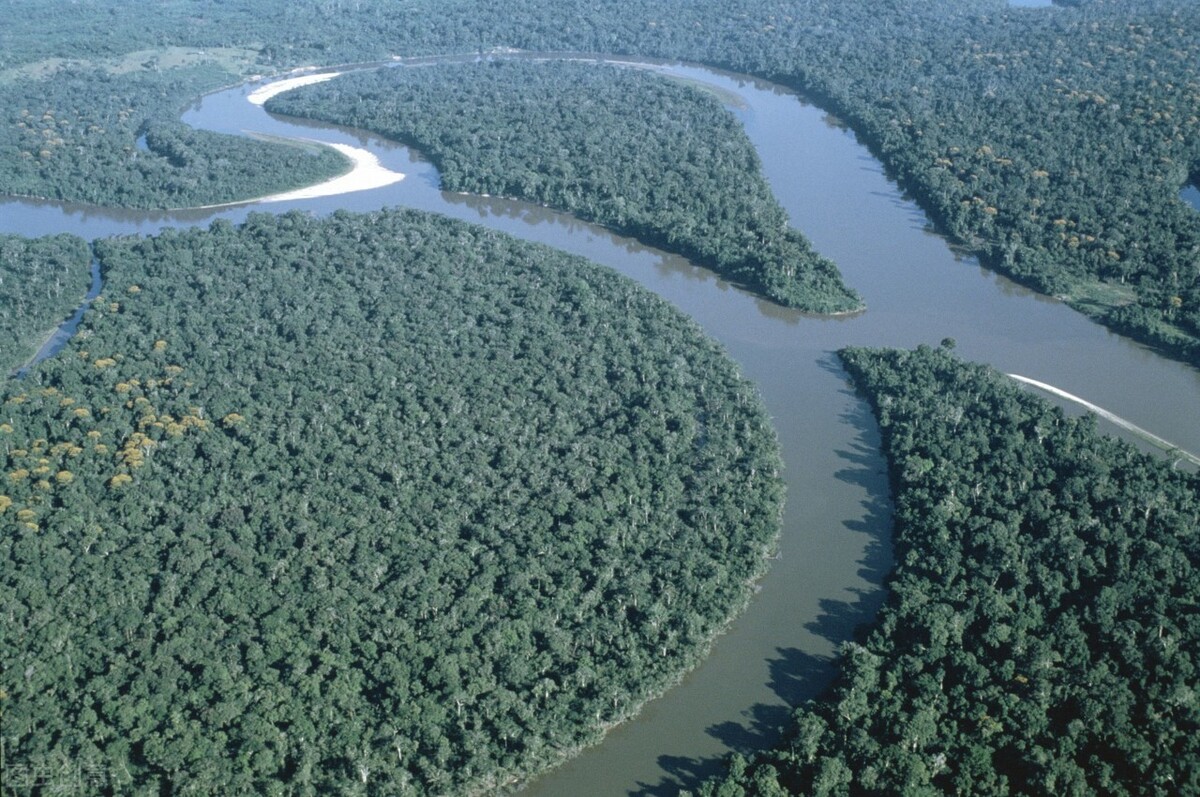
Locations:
1191 195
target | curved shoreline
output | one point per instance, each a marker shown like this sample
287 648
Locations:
780 663
263 93
525 781
1150 437
366 173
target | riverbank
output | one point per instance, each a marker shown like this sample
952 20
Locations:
260 95
1153 439
835 548
366 174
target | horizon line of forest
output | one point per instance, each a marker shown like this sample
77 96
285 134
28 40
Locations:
955 99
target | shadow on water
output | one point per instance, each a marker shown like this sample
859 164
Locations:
796 676
865 468
682 773
868 470
792 674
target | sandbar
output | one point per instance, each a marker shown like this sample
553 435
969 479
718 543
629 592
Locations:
260 95
1153 439
366 174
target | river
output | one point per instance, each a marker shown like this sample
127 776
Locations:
1191 195
835 548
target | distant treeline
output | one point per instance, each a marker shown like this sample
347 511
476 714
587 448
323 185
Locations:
645 155
42 281
1041 635
1050 141
379 504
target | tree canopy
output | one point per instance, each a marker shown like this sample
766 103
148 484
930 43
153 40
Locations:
645 155
1041 632
379 504
42 280
89 135
1052 142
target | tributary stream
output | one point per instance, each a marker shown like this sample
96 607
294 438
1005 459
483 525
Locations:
835 549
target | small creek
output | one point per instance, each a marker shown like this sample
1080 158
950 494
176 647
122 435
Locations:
55 342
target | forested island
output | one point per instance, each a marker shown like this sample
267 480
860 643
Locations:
380 504
1040 633
41 281
1050 142
651 158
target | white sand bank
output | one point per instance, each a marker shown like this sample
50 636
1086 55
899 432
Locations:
1153 439
260 95
366 174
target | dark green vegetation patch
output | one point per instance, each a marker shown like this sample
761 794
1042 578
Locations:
85 135
382 502
645 155
42 281
1042 634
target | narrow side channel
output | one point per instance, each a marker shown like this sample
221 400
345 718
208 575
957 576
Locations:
66 330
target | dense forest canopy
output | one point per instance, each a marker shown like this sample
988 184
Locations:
265 529
379 504
41 281
1042 632
1051 141
647 156
74 135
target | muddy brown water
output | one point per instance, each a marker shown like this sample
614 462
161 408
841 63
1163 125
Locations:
835 548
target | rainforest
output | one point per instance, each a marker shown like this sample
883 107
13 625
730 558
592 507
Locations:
353 491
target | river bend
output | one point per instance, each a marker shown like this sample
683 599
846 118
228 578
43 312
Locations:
835 548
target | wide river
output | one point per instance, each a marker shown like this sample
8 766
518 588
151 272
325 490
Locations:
835 548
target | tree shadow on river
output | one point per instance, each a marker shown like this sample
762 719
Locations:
797 676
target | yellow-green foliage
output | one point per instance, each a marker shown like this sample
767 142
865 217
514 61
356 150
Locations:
109 445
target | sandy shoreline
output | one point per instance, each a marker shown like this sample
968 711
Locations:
260 95
1165 445
366 172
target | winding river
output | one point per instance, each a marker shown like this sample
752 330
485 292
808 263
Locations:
835 549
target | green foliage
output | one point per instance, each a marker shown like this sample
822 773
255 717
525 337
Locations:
629 149
73 136
1041 635
377 504
1052 141
42 281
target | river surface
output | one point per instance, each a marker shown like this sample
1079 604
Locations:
1191 195
835 548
